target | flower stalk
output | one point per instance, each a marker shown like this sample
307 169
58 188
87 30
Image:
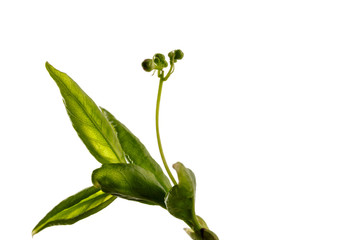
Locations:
158 133
158 63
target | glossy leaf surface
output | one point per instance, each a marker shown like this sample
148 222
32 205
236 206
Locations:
79 206
136 151
129 181
90 124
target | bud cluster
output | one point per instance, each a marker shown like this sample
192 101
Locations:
158 62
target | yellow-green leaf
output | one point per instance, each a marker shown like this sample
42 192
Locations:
136 151
90 124
79 206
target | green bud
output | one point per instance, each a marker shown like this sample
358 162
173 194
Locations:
171 55
148 65
159 56
165 64
159 60
178 54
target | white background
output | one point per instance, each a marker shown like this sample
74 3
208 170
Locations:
264 108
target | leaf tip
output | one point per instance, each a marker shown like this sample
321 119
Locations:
47 64
33 232
50 68
177 166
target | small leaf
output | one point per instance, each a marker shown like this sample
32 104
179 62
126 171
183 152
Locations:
79 206
180 200
207 234
129 181
90 124
192 234
203 234
202 222
136 151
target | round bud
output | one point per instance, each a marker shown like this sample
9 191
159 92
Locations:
171 55
165 64
148 65
178 54
159 60
159 56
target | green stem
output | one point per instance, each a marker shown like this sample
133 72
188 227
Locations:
171 70
158 132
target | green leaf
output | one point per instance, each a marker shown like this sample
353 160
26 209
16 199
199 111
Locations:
192 234
136 151
207 234
90 124
129 181
203 234
180 200
202 222
79 206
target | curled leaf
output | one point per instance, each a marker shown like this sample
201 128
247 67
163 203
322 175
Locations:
88 121
180 201
79 206
129 181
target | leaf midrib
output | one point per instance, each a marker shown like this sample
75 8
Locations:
97 195
92 121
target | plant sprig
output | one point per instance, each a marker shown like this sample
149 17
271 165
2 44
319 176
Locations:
128 171
157 64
